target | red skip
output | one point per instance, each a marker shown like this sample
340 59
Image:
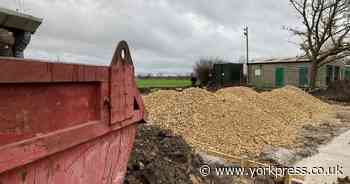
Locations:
67 123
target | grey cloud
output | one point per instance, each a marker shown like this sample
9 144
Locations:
165 36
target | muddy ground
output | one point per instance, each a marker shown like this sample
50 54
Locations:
162 157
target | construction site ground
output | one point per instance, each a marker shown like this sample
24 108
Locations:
336 153
166 152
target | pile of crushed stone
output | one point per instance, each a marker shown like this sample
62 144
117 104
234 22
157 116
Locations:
236 121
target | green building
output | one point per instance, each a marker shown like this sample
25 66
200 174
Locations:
274 73
228 74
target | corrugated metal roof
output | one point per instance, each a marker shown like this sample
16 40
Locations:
17 20
280 60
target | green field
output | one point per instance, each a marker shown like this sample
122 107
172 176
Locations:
163 83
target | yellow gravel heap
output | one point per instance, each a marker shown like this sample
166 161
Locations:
236 121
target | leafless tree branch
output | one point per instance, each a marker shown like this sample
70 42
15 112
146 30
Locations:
326 29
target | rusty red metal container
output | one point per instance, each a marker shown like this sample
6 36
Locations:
67 123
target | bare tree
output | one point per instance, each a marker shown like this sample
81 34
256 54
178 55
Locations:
324 33
203 69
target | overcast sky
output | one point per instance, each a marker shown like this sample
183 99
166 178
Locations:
165 36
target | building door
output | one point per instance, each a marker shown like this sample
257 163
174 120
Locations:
304 76
279 77
336 73
329 74
347 74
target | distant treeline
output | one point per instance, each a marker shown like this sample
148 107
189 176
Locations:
179 77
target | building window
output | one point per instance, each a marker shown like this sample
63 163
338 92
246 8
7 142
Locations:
333 74
257 72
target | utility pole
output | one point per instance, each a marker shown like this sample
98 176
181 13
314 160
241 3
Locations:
246 34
